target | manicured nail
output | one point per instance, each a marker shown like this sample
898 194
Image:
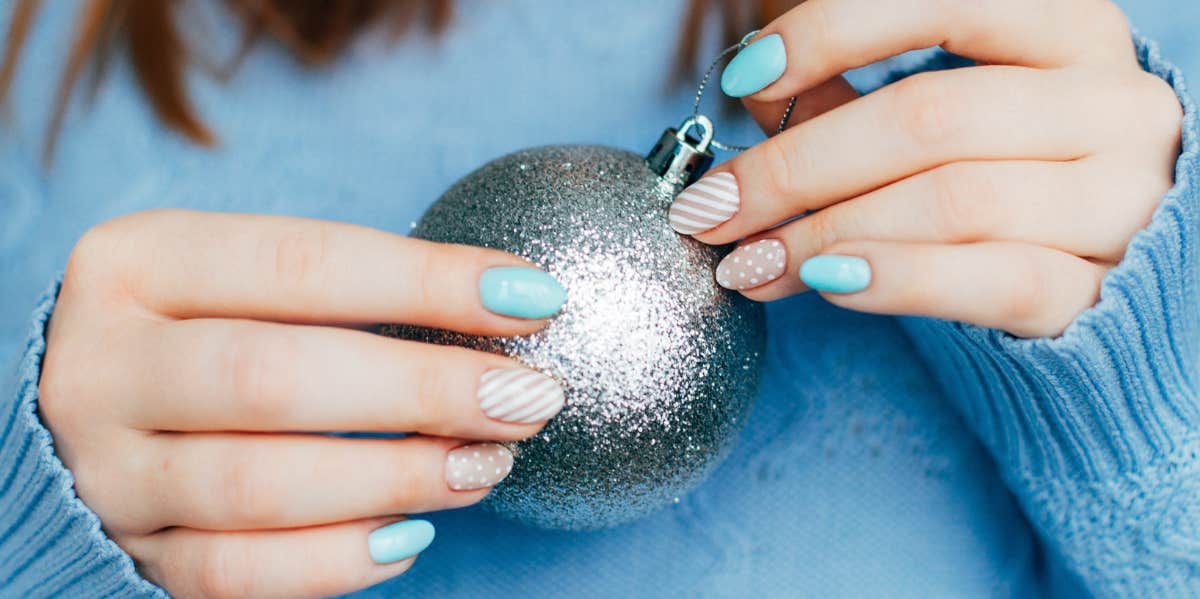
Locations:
836 274
755 67
519 395
705 204
400 540
521 291
752 265
477 466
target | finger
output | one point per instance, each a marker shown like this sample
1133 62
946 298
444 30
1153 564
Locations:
226 481
193 264
309 562
1068 206
240 375
814 102
823 38
984 113
1027 290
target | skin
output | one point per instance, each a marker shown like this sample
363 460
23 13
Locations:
998 195
187 350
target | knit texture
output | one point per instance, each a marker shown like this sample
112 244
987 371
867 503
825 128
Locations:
884 457
51 544
1098 431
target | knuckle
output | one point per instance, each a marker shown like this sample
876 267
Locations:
298 257
429 268
405 488
927 109
258 372
431 389
1160 104
94 253
782 161
246 499
1027 299
823 229
959 193
101 251
224 571
1109 21
55 387
825 31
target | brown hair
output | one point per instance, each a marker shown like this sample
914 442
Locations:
314 31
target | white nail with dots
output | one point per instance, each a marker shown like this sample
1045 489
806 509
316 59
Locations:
477 466
752 265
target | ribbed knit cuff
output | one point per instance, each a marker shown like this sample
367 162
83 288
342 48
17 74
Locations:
1118 389
51 544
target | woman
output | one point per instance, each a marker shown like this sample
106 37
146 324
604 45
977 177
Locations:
1036 435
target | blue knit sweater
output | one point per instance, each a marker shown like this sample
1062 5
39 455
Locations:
885 457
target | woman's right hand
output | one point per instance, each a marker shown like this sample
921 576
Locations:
190 353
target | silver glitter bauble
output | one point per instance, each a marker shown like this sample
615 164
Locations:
660 365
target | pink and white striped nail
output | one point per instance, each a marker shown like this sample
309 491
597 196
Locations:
705 204
477 466
753 264
519 395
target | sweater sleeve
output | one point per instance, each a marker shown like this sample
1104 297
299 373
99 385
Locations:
51 544
1097 432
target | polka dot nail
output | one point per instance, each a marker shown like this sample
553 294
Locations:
477 466
753 264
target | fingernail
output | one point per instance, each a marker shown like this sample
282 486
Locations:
752 265
519 395
836 274
705 204
477 466
521 291
400 540
755 67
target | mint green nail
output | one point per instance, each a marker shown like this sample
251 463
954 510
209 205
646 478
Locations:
755 67
836 274
521 291
403 539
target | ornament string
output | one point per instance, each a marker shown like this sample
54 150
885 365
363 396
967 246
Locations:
745 41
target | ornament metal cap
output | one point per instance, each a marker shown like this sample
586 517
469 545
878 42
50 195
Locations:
680 158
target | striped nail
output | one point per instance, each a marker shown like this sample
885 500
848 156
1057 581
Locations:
519 395
705 204
477 466
752 265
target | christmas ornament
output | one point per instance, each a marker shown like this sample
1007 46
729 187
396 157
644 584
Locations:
659 363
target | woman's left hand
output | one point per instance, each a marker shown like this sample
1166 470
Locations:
998 194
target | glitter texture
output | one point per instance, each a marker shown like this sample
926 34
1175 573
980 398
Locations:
660 365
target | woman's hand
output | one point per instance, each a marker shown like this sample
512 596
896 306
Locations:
998 194
190 353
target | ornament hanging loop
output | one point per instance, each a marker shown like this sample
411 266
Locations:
712 67
680 158
700 122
